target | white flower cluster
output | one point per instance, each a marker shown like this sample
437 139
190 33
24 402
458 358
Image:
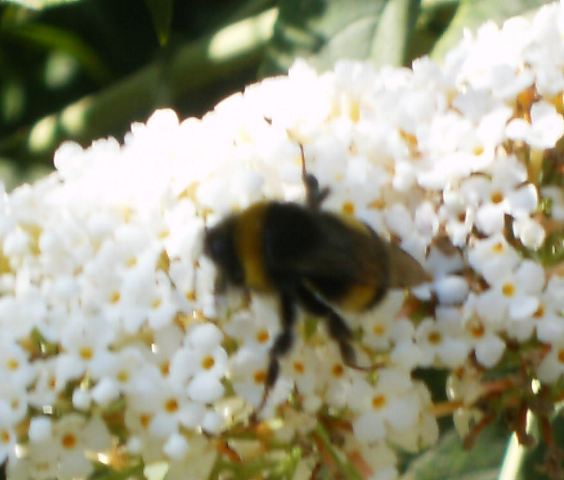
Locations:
114 346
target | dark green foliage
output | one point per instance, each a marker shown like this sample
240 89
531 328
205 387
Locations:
116 61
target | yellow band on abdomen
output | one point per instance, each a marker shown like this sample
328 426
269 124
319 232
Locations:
358 297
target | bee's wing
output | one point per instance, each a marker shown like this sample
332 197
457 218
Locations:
405 271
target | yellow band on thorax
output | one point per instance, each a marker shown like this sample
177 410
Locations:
249 235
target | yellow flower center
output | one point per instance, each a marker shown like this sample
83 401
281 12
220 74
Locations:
508 289
539 313
12 364
86 353
69 441
144 420
496 197
208 362
131 262
5 437
354 111
262 336
378 402
348 208
259 376
299 367
477 330
337 370
171 405
435 337
379 330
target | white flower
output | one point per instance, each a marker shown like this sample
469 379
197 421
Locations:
123 367
40 429
552 366
62 453
389 405
201 364
22 312
451 289
81 399
503 193
248 374
545 320
257 326
197 463
176 446
107 300
105 391
514 294
546 127
482 337
457 215
14 364
529 232
7 440
377 325
85 341
13 402
441 340
493 257
48 384
170 408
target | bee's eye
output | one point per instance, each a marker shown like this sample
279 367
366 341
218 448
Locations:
215 246
219 245
218 242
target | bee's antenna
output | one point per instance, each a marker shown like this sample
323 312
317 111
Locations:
314 195
302 157
205 219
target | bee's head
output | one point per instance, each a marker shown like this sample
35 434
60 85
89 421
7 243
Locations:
219 245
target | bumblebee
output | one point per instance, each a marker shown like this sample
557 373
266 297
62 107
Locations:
318 260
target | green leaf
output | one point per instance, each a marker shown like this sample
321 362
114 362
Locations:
448 460
434 18
472 13
38 4
391 40
221 54
49 37
324 31
161 11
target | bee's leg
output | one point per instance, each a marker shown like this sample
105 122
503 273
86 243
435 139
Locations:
314 195
282 345
337 327
219 284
